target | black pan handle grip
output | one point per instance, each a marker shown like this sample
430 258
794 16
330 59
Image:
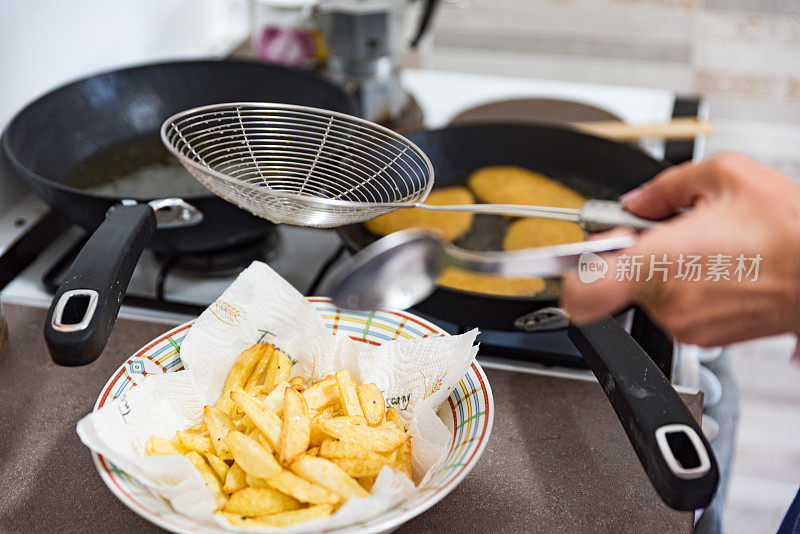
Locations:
670 445
86 304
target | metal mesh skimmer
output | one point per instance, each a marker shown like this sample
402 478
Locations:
298 165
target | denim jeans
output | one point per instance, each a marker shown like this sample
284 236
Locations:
791 522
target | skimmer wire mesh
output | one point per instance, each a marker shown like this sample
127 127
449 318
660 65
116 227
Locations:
298 165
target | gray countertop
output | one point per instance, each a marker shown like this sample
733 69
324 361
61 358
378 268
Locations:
557 461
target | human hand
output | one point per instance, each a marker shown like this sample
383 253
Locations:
740 208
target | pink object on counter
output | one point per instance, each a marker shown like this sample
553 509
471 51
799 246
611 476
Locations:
286 46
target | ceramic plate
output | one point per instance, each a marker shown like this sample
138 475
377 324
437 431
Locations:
468 414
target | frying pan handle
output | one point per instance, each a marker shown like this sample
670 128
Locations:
670 445
86 304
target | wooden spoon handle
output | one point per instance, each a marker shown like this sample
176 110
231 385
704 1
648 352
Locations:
680 128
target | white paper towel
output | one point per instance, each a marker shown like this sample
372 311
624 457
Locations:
261 306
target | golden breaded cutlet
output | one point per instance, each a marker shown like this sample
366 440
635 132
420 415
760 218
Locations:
515 185
487 283
533 232
451 225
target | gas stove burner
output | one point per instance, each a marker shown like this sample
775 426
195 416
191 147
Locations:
223 261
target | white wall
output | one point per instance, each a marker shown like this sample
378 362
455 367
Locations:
44 43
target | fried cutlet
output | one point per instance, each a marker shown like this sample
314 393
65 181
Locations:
515 185
533 232
451 225
489 283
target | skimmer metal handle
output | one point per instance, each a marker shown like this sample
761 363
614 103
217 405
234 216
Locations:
596 215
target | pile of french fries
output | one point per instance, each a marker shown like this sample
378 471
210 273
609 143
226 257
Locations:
274 452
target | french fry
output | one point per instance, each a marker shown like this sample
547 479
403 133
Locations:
259 501
246 424
296 432
282 519
265 350
325 413
323 394
328 475
237 376
372 403
401 457
317 434
210 479
348 396
278 370
252 456
274 401
357 420
267 422
299 488
194 441
219 424
297 383
259 391
286 519
219 467
342 419
382 438
393 416
362 467
333 449
199 427
235 480
403 460
367 482
255 482
262 439
391 455
239 421
156 446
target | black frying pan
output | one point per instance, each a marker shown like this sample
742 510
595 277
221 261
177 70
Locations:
57 133
594 167
665 436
